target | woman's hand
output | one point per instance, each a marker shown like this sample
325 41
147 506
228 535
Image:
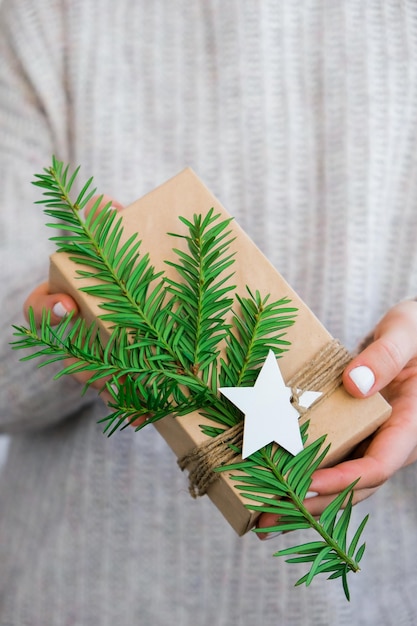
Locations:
388 365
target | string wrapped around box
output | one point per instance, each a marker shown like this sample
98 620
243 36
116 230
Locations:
322 373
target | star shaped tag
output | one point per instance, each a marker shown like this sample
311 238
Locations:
269 414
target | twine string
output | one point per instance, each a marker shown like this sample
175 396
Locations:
322 373
203 459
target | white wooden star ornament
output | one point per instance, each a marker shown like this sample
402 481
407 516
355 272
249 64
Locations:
269 413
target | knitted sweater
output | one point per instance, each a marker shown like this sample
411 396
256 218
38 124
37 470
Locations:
302 118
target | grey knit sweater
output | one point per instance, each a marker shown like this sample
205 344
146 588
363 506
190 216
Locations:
301 116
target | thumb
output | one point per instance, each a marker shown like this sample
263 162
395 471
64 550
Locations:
394 345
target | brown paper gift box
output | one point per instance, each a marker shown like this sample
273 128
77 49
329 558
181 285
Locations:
345 420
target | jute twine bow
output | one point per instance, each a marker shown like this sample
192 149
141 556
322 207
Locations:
322 373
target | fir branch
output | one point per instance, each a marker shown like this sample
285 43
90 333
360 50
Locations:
163 355
257 331
136 298
278 482
204 291
124 275
155 391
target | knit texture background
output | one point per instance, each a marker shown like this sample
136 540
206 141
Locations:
301 117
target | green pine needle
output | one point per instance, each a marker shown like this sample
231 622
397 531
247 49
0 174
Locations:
163 354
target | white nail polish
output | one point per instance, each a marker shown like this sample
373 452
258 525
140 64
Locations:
273 535
363 377
59 310
311 494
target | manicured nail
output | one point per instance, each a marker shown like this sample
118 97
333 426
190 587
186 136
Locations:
272 535
311 494
363 377
59 310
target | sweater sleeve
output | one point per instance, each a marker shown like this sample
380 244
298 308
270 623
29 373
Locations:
33 126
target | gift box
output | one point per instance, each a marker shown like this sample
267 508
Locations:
345 420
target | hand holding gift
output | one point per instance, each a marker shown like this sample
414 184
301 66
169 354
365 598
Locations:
388 365
167 346
392 356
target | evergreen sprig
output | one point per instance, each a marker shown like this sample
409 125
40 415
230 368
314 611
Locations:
163 354
278 482
204 296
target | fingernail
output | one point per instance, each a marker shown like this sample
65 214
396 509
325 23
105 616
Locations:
311 494
59 310
363 377
272 535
